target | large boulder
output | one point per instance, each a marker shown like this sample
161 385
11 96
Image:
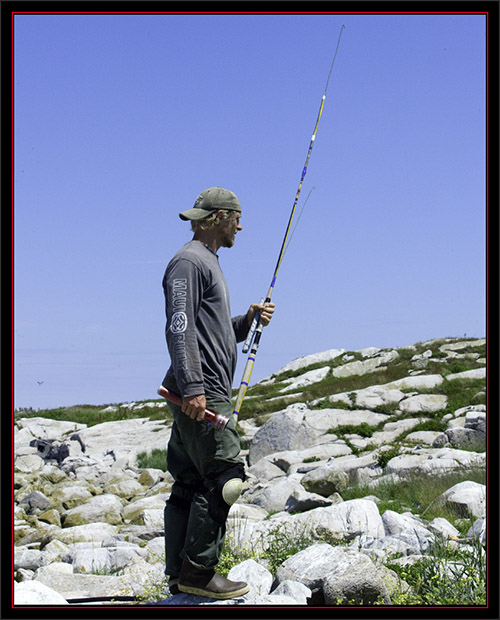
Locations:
366 366
324 420
308 378
325 481
285 430
431 461
476 373
335 575
36 593
466 499
273 496
423 403
106 507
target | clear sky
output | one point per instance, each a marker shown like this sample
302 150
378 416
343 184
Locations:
121 120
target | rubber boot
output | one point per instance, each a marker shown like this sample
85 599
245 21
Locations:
173 585
206 582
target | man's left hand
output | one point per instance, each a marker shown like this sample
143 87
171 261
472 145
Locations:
266 312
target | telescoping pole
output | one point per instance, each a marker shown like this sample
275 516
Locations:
255 332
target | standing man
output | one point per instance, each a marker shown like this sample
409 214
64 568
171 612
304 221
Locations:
201 336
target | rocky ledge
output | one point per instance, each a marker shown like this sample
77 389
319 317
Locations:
89 522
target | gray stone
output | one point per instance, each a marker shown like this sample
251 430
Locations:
54 551
265 470
247 511
407 528
356 581
95 532
29 559
342 519
309 360
308 378
283 431
443 528
81 585
106 507
28 463
289 460
416 383
461 437
36 593
365 367
71 494
423 403
463 344
476 373
476 420
134 511
274 496
423 437
433 460
107 559
257 576
294 590
467 499
478 530
35 501
325 481
300 501
334 574
323 420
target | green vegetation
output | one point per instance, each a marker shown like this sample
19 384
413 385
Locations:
418 493
363 429
447 576
156 459
94 414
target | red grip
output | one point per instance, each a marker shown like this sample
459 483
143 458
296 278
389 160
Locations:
217 420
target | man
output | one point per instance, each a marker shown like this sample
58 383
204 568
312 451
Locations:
201 337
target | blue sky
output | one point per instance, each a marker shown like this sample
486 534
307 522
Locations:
121 120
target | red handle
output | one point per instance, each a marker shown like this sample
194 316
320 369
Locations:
217 420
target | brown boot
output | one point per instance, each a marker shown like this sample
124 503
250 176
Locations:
206 582
173 585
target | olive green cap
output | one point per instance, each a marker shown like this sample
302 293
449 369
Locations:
210 200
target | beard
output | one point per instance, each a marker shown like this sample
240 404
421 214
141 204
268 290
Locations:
228 237
228 240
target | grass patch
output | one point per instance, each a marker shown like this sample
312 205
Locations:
418 493
156 459
446 576
93 414
258 407
363 429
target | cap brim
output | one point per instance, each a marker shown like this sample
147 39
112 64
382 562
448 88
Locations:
195 214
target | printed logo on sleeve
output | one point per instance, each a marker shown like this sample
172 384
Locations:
179 323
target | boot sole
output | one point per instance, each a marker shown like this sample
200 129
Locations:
208 593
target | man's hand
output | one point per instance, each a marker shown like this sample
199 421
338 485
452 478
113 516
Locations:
194 407
266 312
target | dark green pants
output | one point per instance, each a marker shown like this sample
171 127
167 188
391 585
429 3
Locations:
196 454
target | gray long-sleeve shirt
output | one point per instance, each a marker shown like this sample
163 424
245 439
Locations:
201 335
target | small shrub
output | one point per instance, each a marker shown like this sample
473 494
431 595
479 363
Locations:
232 555
384 457
282 544
363 429
445 577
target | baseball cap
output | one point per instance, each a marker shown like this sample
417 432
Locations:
209 200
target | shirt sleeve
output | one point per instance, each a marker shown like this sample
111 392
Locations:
240 327
183 289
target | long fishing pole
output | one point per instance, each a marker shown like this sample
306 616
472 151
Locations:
255 331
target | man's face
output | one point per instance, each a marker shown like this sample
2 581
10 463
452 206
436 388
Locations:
228 230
